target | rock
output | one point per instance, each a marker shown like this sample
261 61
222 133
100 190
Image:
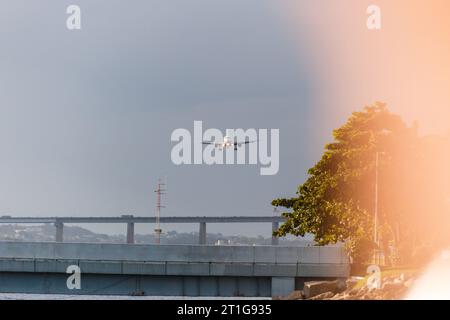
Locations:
339 296
362 291
295 295
377 296
372 289
392 286
351 283
400 279
353 292
323 296
409 283
393 290
341 286
314 288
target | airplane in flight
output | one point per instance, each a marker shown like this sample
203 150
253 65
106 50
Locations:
228 143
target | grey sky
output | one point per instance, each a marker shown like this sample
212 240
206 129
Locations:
86 116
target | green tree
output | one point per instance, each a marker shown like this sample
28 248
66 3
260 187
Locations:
337 203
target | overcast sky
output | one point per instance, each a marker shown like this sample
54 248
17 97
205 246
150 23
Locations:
86 116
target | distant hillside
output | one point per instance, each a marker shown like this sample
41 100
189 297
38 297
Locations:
46 232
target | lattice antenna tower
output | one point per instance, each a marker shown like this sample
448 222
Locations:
159 192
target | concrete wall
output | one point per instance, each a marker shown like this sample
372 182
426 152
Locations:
174 253
175 268
112 284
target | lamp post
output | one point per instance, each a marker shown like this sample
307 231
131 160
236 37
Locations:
375 227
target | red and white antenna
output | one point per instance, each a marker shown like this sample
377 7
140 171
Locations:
159 191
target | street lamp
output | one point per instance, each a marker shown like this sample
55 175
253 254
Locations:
375 229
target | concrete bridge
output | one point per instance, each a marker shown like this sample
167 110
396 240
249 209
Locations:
130 221
166 270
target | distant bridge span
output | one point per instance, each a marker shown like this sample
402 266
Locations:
131 220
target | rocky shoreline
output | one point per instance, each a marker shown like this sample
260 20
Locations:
391 287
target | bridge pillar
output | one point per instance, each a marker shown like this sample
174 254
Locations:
282 286
130 229
59 235
275 240
202 233
130 233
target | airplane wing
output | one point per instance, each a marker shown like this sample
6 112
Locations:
212 142
243 142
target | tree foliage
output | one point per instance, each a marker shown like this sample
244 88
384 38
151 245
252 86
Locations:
336 203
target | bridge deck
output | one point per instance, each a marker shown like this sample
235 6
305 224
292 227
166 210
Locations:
256 264
133 219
